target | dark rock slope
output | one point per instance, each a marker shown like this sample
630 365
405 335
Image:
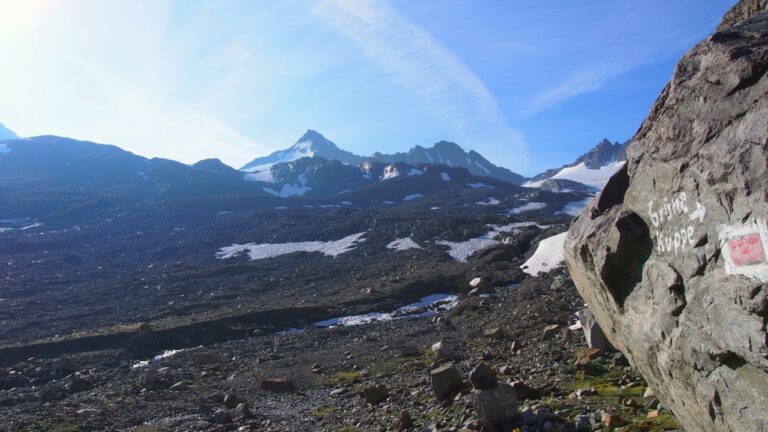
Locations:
672 256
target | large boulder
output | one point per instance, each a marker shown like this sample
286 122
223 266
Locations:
671 257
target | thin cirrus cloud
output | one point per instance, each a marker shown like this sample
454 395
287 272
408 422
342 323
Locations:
445 87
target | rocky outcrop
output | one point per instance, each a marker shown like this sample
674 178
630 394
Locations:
671 257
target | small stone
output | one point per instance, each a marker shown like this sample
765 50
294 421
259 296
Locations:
231 401
221 416
443 351
550 331
524 391
482 377
495 406
181 385
649 393
610 420
445 380
375 394
338 392
88 412
403 422
277 384
241 412
653 414
496 333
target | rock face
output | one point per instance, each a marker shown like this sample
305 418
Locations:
671 257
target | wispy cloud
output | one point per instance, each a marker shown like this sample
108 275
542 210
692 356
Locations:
578 84
440 81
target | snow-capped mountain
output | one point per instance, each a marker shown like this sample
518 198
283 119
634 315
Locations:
313 144
593 168
7 134
310 144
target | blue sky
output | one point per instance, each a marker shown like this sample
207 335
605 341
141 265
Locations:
528 83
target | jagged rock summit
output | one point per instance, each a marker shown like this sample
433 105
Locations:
671 257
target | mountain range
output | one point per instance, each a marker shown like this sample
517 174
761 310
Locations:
312 143
314 167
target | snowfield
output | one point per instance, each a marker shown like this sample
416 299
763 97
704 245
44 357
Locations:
491 201
548 256
573 208
462 251
403 244
268 250
263 176
297 188
531 206
480 186
412 197
580 173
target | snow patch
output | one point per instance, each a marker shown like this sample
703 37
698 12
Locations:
390 172
580 173
4 149
268 250
444 175
573 208
491 201
480 186
299 187
426 307
412 197
531 206
415 172
403 244
548 256
262 176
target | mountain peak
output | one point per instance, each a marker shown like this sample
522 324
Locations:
7 134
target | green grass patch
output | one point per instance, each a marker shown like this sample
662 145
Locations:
323 411
663 422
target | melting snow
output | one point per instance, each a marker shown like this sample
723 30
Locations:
580 173
527 207
403 244
426 307
480 186
263 176
548 255
575 207
390 172
461 251
415 172
268 250
412 197
4 149
444 175
165 354
491 201
299 187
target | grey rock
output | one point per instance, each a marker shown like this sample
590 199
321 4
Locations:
222 416
241 412
592 331
374 394
495 406
668 256
482 377
443 351
88 412
445 380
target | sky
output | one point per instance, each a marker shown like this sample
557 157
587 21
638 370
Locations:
530 84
